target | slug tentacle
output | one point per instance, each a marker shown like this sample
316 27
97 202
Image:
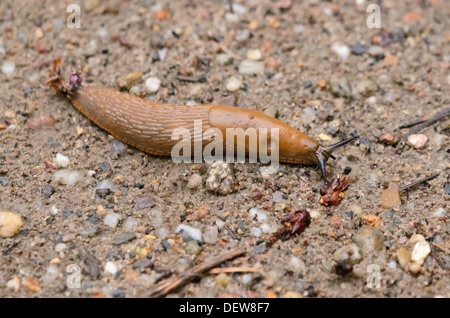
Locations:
323 153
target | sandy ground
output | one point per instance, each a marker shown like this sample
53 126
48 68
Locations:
116 244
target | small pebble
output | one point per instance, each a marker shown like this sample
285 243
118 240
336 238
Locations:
122 238
192 247
314 214
30 284
8 68
373 180
220 178
249 67
13 284
256 232
110 268
417 141
189 233
67 177
224 59
259 214
254 55
129 80
38 122
308 115
130 225
341 49
145 203
118 146
210 234
233 84
325 137
3 182
112 220
152 84
351 253
10 223
421 249
223 279
359 49
403 257
390 197
375 50
370 239
61 161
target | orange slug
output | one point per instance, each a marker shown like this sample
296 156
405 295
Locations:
148 126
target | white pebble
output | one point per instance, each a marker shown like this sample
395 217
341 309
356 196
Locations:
191 103
268 171
152 84
189 233
60 247
224 59
61 161
341 49
8 68
246 278
233 84
254 55
417 141
106 184
297 264
260 215
91 47
265 228
231 17
439 212
112 220
308 115
220 224
251 67
10 223
195 181
314 214
239 8
161 233
130 225
13 284
156 217
110 268
256 232
421 249
68 177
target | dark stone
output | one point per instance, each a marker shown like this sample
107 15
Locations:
359 49
143 263
3 182
104 166
48 190
165 244
118 293
307 84
139 185
123 238
347 170
144 203
447 188
91 265
102 192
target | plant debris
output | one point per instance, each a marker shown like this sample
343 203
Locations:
333 193
293 224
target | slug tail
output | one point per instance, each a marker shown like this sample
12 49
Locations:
57 82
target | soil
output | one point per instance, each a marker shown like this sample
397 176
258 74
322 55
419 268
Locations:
166 40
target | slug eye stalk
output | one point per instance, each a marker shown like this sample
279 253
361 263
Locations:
323 153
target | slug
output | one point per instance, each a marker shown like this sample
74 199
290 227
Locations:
148 126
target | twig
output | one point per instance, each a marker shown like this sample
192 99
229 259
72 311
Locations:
431 121
412 184
437 259
443 249
219 270
411 124
228 51
166 286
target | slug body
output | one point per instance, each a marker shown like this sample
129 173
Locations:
148 126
